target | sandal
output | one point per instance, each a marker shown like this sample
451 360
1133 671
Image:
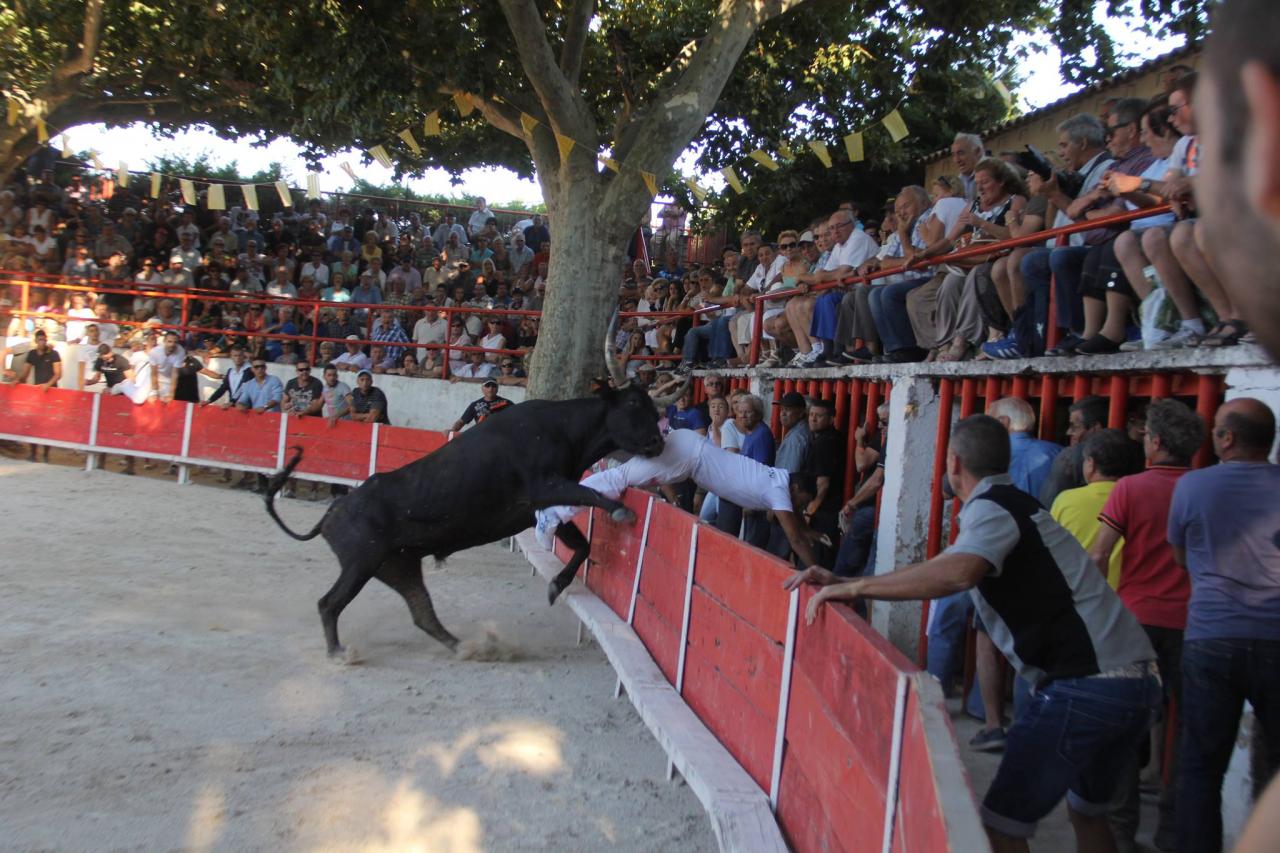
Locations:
1226 334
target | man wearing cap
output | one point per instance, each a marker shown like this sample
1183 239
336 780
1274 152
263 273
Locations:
354 358
367 403
344 241
793 450
478 410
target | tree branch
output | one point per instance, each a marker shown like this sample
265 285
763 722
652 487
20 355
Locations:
576 25
82 62
566 110
541 145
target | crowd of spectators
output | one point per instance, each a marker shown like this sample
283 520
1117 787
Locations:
326 256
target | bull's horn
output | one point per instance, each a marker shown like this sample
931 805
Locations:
669 399
610 361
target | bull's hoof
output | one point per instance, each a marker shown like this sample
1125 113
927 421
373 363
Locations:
345 656
623 515
553 592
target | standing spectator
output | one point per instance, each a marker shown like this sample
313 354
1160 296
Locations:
537 234
303 395
366 403
826 465
479 218
165 361
237 374
448 228
1222 529
1108 455
1094 669
1152 584
44 366
263 392
1087 416
793 451
109 367
432 328
966 151
859 514
757 444
477 410
334 396
1032 458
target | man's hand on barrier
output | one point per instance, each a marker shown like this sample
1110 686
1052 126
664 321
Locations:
814 575
847 591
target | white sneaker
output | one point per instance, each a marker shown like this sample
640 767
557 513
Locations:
800 359
1182 338
543 530
1133 346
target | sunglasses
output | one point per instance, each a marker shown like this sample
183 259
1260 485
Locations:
786 245
1115 128
304 369
259 367
508 367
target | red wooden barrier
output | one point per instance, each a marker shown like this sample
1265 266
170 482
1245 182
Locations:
340 451
235 437
398 446
154 429
659 614
54 414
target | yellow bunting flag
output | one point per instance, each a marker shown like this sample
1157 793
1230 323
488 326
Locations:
896 126
97 163
431 124
346 167
286 197
313 185
853 146
380 154
188 191
732 177
761 157
527 123
407 136
217 198
42 132
464 102
609 162
13 112
785 150
1003 91
861 54
66 147
250 193
565 144
155 184
650 182
820 149
698 192
122 174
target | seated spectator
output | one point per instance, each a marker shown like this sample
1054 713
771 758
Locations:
1222 524
354 359
475 367
78 266
280 286
369 250
366 403
850 249
432 328
458 337
388 332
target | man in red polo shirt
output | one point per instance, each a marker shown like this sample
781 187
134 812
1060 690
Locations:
1152 584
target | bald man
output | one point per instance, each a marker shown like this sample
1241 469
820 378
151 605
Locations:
1224 526
1238 185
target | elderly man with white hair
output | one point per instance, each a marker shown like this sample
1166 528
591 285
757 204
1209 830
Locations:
966 151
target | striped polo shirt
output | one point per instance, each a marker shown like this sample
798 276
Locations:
1044 602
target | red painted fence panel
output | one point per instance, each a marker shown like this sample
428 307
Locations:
340 450
54 414
152 428
398 446
235 436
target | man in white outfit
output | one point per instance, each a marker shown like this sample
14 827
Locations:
689 455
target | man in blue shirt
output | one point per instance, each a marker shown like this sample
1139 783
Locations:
1224 526
262 393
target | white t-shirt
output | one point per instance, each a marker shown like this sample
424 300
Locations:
947 211
166 366
689 455
334 398
429 331
357 361
75 328
853 252
762 277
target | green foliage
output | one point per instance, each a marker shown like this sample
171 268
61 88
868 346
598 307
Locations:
400 191
201 166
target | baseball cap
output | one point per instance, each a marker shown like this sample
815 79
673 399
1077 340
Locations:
487 383
353 337
791 399
364 373
806 237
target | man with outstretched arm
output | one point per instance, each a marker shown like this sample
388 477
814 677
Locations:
1049 610
689 455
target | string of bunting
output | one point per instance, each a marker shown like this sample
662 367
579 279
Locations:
854 146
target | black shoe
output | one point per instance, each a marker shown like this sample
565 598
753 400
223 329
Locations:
903 356
851 358
1066 346
684 368
1098 345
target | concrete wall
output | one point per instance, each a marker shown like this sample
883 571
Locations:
413 402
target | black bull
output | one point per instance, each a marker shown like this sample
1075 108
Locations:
479 488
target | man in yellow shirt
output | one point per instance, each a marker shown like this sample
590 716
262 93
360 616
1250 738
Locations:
1108 456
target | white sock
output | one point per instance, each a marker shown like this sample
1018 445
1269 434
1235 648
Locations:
1196 325
816 347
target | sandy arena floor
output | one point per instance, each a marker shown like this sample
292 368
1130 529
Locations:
165 687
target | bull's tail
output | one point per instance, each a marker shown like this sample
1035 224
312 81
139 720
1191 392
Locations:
278 481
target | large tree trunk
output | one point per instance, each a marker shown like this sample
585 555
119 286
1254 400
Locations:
588 253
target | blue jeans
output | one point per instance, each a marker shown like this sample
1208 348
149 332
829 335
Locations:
889 311
713 336
857 542
826 313
1065 264
1217 677
948 620
1074 738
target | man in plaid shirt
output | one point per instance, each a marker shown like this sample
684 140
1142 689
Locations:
387 331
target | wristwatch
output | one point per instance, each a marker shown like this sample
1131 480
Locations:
1145 186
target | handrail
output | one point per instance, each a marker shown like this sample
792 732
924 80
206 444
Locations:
758 300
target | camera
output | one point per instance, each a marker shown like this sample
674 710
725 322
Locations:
1033 160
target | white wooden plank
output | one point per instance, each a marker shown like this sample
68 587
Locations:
895 762
784 695
688 605
644 541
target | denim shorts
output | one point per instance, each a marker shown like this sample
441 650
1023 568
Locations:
1073 738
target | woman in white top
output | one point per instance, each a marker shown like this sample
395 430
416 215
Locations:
458 337
40 215
44 250
493 339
